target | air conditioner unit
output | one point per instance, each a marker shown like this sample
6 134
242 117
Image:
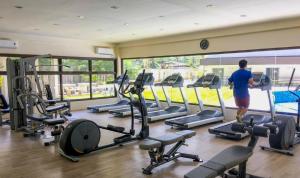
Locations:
8 44
105 52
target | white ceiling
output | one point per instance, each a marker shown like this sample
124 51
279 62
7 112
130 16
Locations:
134 19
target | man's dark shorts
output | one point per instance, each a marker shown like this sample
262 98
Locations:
242 103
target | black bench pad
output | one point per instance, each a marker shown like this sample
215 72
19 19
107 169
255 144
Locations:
55 108
201 172
232 156
54 121
223 161
150 144
167 139
186 133
37 117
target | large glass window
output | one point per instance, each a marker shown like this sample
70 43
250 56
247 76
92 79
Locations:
76 86
102 85
277 64
75 65
71 78
102 66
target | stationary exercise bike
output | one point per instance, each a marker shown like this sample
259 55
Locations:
289 130
82 136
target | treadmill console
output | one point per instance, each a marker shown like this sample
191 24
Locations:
211 81
261 81
174 80
148 80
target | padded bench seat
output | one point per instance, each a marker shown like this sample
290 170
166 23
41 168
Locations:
167 139
52 122
37 117
55 108
223 161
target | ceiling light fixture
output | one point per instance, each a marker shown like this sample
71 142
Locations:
126 24
81 17
243 15
18 7
114 7
210 5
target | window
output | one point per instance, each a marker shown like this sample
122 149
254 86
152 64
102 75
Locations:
102 85
71 78
75 65
277 64
87 78
47 64
102 66
76 86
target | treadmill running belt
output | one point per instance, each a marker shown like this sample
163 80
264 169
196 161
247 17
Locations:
158 113
226 129
186 120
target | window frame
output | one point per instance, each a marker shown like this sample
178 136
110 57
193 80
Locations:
60 72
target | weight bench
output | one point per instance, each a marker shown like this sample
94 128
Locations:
223 163
225 160
156 149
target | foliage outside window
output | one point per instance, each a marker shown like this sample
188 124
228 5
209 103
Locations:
277 64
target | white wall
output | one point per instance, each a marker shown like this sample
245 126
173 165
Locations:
33 44
275 34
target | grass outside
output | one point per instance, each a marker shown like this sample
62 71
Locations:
209 97
85 96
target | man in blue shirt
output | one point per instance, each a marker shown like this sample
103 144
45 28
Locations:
241 79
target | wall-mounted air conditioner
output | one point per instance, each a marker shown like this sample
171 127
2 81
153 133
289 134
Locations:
105 52
8 44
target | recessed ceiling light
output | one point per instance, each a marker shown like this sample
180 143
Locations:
81 17
126 24
243 15
56 24
210 5
18 7
114 7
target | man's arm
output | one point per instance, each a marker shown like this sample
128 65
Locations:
251 81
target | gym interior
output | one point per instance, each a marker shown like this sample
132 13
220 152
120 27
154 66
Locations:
140 88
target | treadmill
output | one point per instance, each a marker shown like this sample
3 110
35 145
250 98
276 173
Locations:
262 82
151 106
174 81
121 103
204 116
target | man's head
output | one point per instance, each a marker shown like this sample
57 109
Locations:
243 64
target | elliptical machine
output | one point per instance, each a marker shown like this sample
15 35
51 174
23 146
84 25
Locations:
289 130
82 136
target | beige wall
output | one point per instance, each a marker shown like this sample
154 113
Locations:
276 34
33 44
